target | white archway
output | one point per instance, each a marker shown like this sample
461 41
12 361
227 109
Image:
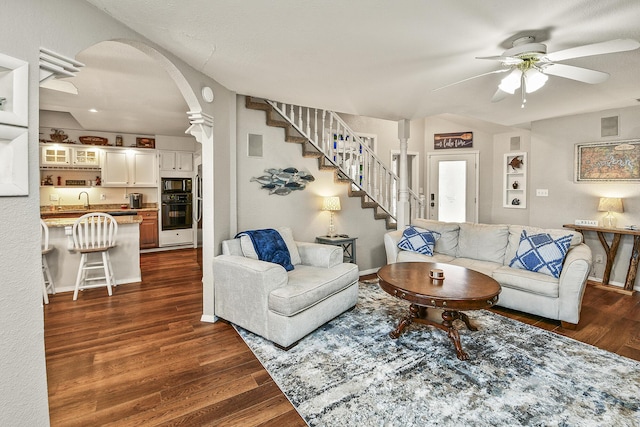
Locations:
201 127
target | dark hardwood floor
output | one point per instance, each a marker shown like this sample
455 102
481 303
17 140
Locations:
143 357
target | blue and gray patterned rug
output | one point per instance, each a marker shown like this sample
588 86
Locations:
350 373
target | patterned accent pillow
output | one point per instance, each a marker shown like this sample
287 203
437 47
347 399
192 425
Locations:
419 240
541 253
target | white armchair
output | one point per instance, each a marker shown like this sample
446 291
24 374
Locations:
283 306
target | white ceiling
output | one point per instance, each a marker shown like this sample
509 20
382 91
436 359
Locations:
383 58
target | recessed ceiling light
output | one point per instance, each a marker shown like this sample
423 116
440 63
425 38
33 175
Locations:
93 110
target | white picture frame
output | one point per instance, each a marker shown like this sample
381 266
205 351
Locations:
14 83
14 161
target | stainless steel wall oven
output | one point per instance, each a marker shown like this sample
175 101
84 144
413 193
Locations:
177 204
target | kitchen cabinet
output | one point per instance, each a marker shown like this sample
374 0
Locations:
181 161
55 155
129 168
68 156
148 229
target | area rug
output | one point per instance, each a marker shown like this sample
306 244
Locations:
350 373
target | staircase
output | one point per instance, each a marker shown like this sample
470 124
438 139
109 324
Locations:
325 136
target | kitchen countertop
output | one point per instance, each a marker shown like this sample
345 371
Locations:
64 222
46 212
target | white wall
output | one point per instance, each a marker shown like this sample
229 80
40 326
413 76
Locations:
67 27
299 210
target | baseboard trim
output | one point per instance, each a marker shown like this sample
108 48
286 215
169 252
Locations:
370 271
208 318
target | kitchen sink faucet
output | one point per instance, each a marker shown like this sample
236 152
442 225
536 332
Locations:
86 204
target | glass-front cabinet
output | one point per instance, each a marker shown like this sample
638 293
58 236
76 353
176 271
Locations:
55 155
86 157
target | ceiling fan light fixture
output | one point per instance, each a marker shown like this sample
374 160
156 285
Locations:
511 83
535 79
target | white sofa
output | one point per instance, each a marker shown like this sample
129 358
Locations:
282 306
489 249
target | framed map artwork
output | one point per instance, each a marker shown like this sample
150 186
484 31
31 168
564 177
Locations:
608 161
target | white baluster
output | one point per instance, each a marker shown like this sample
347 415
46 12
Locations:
315 124
299 117
308 123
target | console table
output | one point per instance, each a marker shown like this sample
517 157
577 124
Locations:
612 250
348 245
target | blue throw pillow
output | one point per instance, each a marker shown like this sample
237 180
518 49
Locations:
541 253
416 239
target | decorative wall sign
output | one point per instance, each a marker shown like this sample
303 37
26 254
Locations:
608 161
443 141
283 181
146 142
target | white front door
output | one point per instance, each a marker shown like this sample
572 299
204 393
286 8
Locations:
453 189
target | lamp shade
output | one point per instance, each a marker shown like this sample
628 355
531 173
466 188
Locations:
331 203
610 204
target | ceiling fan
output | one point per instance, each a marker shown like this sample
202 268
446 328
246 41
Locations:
529 65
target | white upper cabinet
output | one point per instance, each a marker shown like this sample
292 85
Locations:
55 155
179 161
129 168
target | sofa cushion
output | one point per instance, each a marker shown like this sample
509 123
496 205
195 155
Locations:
483 242
541 253
406 256
309 285
484 267
515 232
447 244
527 281
416 239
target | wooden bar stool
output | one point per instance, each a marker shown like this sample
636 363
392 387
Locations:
93 235
48 284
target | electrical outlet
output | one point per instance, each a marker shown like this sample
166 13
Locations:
54 197
103 197
599 259
542 192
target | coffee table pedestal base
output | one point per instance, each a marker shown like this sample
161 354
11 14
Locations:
418 314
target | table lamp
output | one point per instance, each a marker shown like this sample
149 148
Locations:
331 204
610 205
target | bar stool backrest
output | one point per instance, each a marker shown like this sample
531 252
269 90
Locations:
95 230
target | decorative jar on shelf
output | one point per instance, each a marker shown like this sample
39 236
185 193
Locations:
515 185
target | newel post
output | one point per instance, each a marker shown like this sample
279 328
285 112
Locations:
403 186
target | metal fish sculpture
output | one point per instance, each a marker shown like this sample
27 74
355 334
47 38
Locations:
281 191
515 163
283 181
264 179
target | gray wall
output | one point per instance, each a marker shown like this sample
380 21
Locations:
67 27
299 210
552 166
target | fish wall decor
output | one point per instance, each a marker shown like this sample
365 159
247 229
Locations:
283 181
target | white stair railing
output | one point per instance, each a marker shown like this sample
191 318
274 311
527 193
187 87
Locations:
330 135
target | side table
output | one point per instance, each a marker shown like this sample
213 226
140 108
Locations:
348 245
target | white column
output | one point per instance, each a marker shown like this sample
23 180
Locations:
403 186
202 129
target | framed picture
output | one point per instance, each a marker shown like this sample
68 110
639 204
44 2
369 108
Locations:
146 142
617 161
14 164
443 141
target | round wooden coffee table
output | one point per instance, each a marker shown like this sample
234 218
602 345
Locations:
461 289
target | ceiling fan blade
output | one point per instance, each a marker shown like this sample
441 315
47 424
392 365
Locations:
471 78
499 95
611 46
575 73
507 60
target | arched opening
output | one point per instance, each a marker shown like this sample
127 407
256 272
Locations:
135 90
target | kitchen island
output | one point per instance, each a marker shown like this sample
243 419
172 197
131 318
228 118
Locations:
63 261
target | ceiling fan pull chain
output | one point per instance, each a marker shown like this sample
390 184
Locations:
523 84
